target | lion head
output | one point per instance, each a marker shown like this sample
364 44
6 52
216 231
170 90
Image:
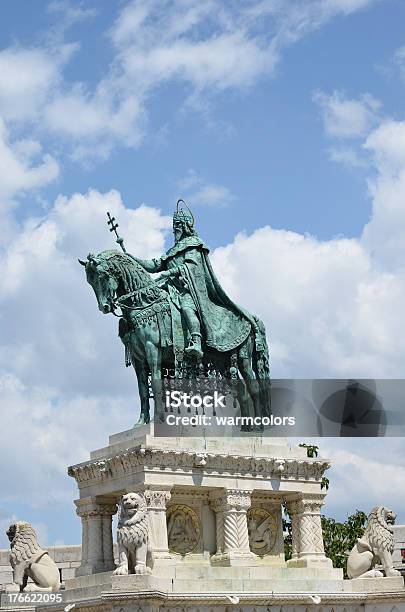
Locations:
132 508
379 530
23 543
132 524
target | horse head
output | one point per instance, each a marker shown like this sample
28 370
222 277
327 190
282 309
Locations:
114 275
103 281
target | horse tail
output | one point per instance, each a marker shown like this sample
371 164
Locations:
261 366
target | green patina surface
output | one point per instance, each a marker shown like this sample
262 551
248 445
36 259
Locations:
182 320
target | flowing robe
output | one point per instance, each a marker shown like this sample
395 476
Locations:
225 325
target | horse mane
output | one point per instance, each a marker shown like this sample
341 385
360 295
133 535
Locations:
121 265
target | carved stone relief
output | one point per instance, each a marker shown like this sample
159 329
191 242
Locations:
262 527
183 529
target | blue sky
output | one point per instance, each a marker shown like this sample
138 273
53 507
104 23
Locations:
281 122
265 143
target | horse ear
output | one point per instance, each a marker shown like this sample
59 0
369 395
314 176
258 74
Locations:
83 263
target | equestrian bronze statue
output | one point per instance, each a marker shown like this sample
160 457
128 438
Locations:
181 322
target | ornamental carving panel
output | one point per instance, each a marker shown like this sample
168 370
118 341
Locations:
183 529
262 527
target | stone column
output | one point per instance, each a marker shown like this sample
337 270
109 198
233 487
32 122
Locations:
80 511
97 544
156 501
292 506
307 547
232 537
107 508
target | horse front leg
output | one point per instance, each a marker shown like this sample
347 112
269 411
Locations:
154 357
143 388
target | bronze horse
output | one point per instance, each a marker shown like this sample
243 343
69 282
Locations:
146 329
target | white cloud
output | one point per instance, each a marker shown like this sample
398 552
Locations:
212 44
346 6
327 309
380 147
62 374
28 76
377 477
385 232
222 62
399 61
94 123
40 268
387 143
56 433
198 191
21 168
68 14
207 47
347 118
348 156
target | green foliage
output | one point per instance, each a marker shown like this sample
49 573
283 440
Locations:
312 449
287 534
325 483
338 538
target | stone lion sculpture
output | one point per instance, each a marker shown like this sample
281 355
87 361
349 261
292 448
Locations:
132 535
376 545
29 560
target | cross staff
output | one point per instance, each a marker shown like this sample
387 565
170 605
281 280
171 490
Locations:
111 221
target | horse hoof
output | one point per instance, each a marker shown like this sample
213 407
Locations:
194 352
143 420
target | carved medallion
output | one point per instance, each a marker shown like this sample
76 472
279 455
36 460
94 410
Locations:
262 527
183 529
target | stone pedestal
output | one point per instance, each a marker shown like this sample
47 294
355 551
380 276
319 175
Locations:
224 510
214 511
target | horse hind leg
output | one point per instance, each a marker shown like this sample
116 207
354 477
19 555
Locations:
252 385
154 357
250 376
143 387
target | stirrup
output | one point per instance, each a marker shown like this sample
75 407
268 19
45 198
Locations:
193 350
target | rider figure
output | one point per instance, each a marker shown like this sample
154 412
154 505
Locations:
175 266
192 284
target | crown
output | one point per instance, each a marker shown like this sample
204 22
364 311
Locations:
183 214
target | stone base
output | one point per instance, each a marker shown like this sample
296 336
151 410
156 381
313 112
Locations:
189 587
233 559
321 562
250 444
191 579
390 584
229 486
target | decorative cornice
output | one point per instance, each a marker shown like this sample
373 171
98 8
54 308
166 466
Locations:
172 460
108 599
226 500
255 598
157 500
93 507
